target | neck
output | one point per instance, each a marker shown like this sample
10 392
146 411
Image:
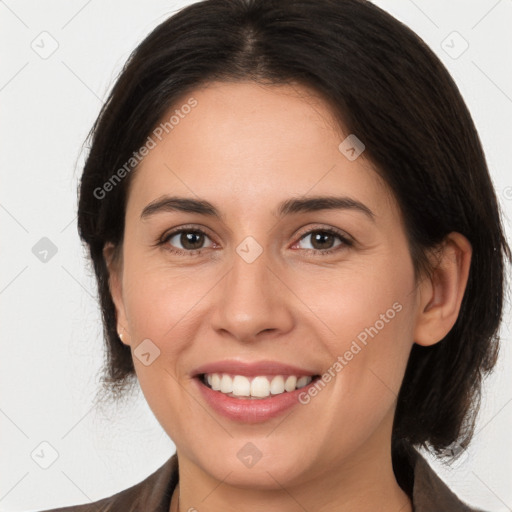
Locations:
364 481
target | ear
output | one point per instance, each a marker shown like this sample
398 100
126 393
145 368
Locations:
115 271
440 295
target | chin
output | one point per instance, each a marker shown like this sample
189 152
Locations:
258 471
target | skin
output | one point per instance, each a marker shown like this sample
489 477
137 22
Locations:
245 148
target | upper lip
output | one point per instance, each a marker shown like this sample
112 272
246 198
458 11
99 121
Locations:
252 369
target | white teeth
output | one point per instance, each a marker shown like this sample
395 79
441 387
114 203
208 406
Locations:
226 384
260 387
277 385
302 381
215 384
255 387
241 386
290 383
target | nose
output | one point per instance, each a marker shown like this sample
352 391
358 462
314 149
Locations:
252 301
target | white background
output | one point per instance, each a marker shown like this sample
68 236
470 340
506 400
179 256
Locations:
52 348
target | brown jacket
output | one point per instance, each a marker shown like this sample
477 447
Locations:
430 493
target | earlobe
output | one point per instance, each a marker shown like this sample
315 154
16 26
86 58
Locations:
115 287
440 295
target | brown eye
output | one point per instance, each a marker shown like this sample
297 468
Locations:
191 240
185 241
323 241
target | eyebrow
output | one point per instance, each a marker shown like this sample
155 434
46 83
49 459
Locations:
288 207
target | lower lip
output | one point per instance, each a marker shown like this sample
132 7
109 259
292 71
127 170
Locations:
251 410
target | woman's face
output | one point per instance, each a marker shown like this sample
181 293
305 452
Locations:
266 286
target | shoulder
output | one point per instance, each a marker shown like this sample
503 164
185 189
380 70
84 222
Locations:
152 494
431 494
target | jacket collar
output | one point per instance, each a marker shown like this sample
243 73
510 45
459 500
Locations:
430 493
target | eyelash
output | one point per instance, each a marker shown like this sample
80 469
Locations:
346 242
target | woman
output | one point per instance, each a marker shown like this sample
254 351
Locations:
299 255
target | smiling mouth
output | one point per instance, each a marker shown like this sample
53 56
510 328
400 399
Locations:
254 388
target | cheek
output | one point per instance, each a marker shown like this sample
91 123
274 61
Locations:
158 298
159 307
369 314
368 357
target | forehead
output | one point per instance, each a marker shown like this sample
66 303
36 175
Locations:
244 143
